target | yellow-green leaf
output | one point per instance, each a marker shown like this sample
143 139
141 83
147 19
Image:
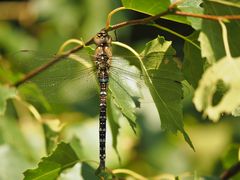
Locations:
5 94
227 71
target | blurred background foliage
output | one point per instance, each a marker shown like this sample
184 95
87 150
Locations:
42 26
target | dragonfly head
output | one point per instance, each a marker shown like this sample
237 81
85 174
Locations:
102 38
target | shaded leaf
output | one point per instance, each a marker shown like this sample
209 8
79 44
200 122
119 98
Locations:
50 167
167 92
31 93
193 62
88 172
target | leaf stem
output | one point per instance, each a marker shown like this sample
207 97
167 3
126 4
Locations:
176 34
225 40
77 41
129 172
111 14
209 17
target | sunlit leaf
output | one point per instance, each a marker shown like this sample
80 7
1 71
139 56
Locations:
5 94
167 92
236 111
224 70
81 171
50 167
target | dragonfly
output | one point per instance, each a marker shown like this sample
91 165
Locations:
110 72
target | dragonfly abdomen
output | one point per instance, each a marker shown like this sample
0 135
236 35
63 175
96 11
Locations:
102 60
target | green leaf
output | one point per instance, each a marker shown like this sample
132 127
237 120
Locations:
151 7
227 71
167 92
5 94
50 167
211 36
193 62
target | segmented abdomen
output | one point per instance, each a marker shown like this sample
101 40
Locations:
102 59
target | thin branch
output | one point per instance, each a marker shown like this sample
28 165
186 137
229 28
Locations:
138 21
232 171
176 34
209 17
170 10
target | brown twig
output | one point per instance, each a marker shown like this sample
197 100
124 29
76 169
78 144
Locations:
232 171
13 10
137 21
209 17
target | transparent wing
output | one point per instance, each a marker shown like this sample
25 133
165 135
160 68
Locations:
74 78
